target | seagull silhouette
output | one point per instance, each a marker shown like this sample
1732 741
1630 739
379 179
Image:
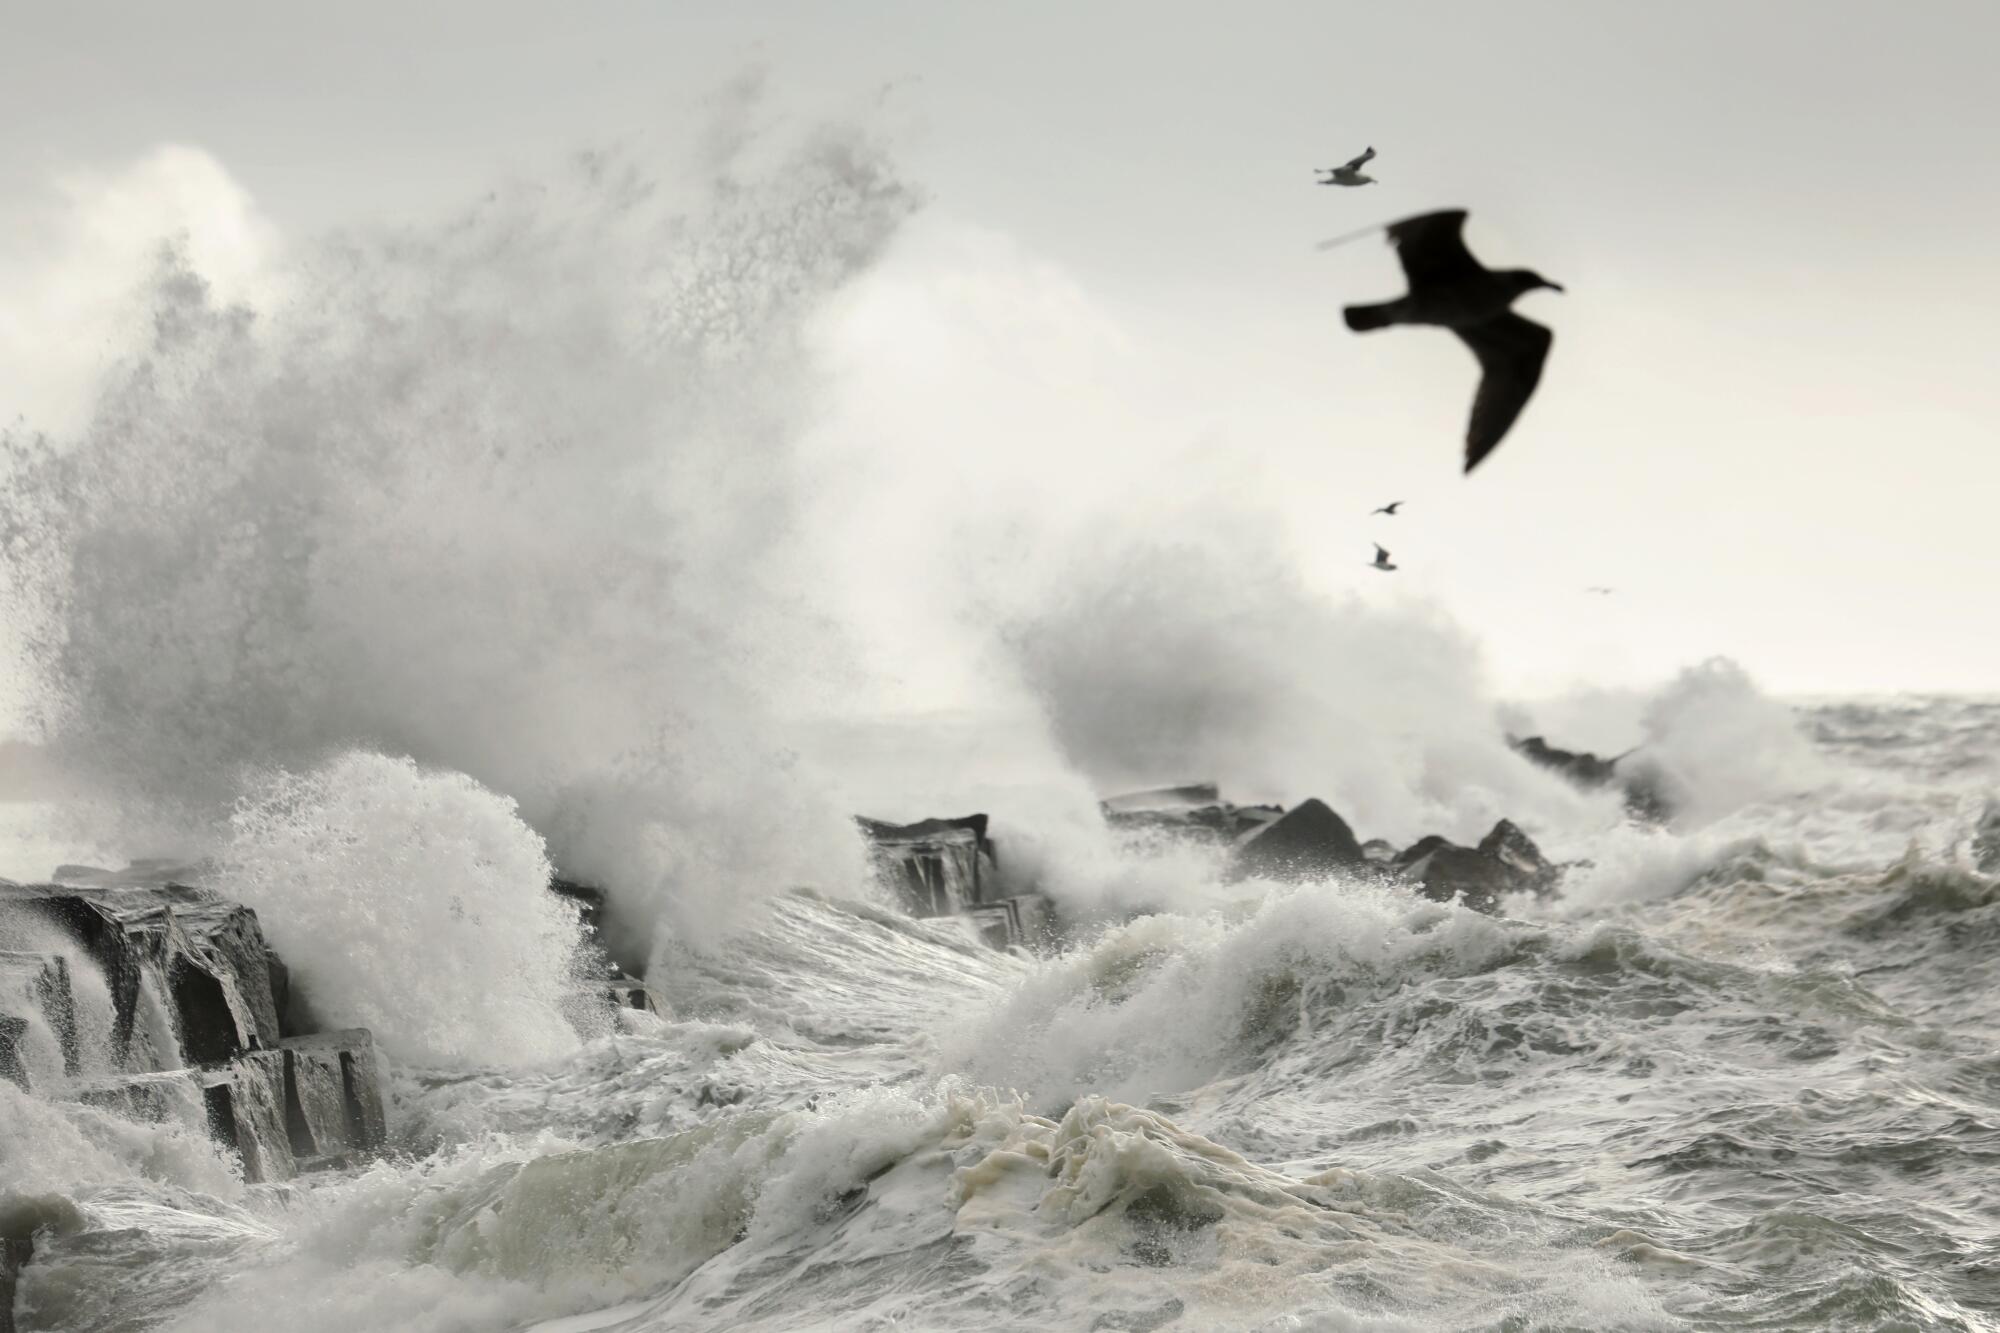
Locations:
1601 592
1448 287
1381 558
1349 174
1389 509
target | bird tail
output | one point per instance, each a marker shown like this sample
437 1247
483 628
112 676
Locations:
1362 318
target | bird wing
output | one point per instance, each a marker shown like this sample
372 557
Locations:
1511 351
1380 554
1360 162
1431 248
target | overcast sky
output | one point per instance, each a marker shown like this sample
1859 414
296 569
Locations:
1771 418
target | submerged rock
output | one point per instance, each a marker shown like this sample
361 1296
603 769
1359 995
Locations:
21 1217
1196 811
1644 797
1505 861
1309 841
1581 767
1378 851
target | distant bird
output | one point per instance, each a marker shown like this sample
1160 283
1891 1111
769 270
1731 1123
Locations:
1449 287
1601 592
1381 558
1389 509
1349 174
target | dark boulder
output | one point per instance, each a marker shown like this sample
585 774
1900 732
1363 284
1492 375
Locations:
589 900
1645 797
1307 842
1505 861
1580 767
1514 849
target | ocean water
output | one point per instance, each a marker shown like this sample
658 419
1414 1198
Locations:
1746 1078
542 537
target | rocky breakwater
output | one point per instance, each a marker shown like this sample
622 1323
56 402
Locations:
1310 842
950 867
199 1014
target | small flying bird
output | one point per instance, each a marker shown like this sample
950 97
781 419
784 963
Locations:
1601 592
1381 558
1349 174
1448 287
1389 509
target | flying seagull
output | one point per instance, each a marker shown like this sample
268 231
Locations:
1601 592
1381 558
1389 509
1448 287
1349 174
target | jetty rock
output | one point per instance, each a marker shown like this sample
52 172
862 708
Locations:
1505 861
310 1103
1307 842
284 1101
209 952
950 867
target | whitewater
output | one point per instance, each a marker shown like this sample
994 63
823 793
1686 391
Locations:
522 546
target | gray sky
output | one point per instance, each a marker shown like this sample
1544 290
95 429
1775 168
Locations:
1769 419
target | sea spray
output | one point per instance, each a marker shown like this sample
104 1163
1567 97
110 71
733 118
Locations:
1716 743
512 495
1207 656
414 903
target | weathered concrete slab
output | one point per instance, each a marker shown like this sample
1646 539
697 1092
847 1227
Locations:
334 1104
209 952
935 867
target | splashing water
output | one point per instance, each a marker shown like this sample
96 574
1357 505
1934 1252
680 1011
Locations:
402 899
511 496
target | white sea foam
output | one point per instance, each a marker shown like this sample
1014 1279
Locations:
414 903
